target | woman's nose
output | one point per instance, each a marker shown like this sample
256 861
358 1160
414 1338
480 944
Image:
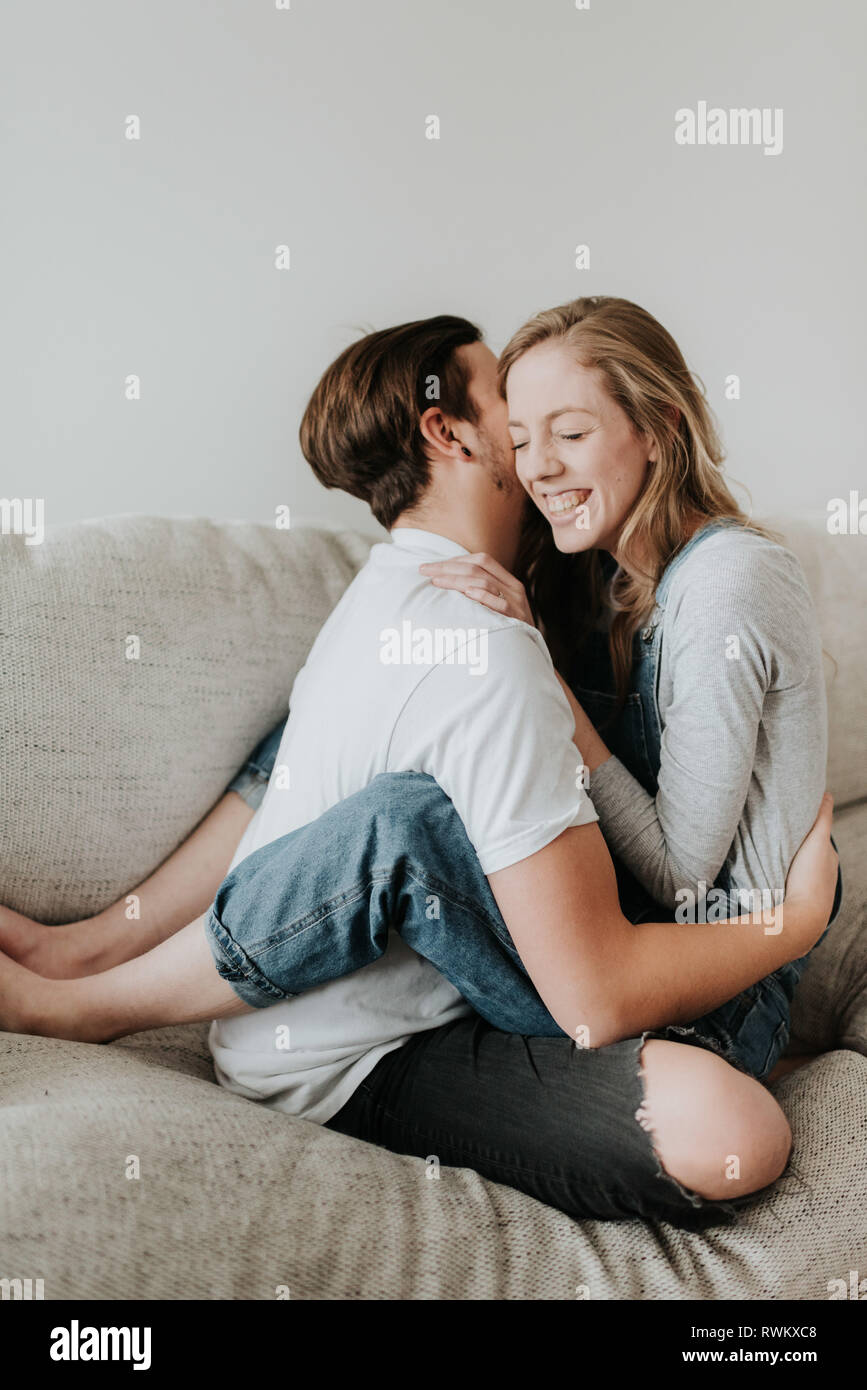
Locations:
540 462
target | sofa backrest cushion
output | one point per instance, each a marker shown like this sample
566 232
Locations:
836 571
111 758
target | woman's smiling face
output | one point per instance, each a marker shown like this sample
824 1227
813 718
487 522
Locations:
576 452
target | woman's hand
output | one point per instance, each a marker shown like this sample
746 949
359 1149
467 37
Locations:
482 579
812 877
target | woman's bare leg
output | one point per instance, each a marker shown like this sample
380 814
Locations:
174 894
176 982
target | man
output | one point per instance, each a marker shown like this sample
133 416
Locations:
411 420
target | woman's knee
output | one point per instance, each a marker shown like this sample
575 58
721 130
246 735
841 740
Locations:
719 1132
413 807
397 795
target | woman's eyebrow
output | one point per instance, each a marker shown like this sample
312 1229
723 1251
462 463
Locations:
561 410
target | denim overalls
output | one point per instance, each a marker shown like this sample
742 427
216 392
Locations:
756 1021
635 735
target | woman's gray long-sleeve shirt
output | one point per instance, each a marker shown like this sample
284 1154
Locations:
744 727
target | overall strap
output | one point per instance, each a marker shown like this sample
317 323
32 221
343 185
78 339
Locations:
710 528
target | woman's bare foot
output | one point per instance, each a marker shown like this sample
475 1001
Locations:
167 901
69 1009
23 997
176 982
56 953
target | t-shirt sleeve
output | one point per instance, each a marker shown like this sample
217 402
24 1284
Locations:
497 737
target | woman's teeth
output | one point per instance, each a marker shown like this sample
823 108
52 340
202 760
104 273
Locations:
565 502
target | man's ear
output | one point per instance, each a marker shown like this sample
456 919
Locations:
439 435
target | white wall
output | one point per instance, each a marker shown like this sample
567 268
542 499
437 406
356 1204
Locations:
306 126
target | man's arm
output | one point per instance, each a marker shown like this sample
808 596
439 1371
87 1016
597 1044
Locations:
597 972
501 747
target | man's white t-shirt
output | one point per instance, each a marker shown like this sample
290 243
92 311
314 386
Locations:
403 677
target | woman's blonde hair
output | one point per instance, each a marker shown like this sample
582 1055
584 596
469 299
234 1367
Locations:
643 370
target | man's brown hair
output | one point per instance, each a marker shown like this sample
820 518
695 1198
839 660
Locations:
360 431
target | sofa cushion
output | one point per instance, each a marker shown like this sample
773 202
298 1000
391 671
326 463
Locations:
126 1178
110 762
834 568
830 1007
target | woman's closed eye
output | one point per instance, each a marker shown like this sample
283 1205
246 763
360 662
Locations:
524 442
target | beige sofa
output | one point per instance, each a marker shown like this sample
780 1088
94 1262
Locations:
108 763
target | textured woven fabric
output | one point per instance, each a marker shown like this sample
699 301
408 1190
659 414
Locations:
830 1008
108 764
834 566
234 1200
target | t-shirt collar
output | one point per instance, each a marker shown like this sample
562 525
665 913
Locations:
410 538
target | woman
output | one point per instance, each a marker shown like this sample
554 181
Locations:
162 985
687 638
